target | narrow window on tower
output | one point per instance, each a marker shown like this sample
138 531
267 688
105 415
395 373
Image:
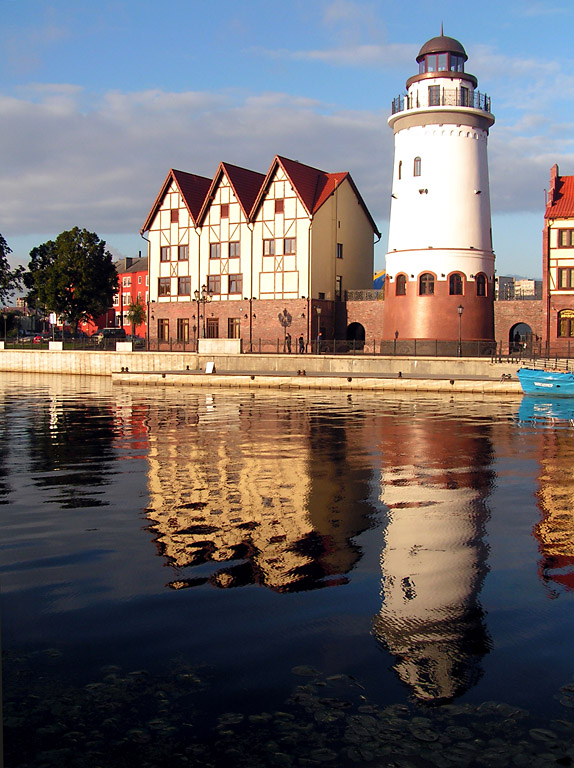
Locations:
434 95
455 285
401 285
480 285
417 167
400 169
464 100
426 284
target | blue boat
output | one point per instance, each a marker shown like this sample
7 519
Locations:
546 383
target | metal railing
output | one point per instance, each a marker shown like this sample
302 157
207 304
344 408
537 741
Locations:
445 98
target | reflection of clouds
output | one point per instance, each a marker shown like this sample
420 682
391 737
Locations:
433 558
555 531
241 485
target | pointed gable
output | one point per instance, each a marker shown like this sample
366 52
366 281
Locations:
312 186
192 188
244 183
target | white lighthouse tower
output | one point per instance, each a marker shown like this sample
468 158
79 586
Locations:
440 262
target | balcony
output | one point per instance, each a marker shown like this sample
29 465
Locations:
446 98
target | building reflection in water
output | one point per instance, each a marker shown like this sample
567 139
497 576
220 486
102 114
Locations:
436 478
555 531
262 487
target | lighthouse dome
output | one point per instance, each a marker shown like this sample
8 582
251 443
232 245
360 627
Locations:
442 44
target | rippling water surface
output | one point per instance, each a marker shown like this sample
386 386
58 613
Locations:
265 578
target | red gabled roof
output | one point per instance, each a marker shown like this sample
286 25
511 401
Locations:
560 203
313 186
245 184
193 189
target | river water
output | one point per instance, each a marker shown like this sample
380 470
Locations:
237 578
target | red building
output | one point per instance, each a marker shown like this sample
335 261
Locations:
133 288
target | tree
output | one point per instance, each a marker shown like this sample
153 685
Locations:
136 314
10 279
73 276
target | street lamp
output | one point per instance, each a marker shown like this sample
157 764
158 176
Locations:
460 310
319 310
202 298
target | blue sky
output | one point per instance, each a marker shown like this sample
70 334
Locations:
99 100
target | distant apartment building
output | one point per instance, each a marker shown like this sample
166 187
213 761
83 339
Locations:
132 288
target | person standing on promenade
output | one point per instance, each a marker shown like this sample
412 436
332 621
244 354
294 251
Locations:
301 345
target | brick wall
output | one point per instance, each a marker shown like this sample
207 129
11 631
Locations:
507 314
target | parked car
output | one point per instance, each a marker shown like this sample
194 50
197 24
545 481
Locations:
111 334
137 341
40 337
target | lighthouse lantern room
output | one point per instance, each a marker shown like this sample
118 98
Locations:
440 261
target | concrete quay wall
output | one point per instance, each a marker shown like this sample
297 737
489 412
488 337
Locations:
92 363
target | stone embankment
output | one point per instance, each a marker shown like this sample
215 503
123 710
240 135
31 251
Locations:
470 375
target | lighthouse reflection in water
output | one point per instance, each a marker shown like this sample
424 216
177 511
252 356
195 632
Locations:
434 557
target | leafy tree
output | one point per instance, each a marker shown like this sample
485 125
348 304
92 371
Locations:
136 314
10 279
73 276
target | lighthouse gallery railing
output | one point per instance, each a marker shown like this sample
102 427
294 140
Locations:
446 98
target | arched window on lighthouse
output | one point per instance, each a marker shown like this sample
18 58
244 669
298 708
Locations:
455 284
426 284
480 285
401 285
417 167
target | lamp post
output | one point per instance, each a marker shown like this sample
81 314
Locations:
202 298
318 310
460 310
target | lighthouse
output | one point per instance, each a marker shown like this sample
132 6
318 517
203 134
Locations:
440 261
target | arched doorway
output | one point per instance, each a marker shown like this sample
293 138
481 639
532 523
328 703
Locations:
520 338
356 333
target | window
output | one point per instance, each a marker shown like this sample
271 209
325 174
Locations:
339 250
225 210
126 282
126 298
174 215
139 296
233 250
279 206
147 280
400 169
566 323
321 295
442 59
566 238
338 288
417 167
289 246
183 286
401 285
182 252
116 300
182 329
164 286
212 328
480 285
233 328
464 94
434 95
455 285
215 250
139 279
235 284
269 247
214 284
565 277
426 284
164 253
163 329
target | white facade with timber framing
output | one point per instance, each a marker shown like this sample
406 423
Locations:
290 241
440 261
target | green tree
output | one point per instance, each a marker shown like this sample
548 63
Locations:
73 276
10 279
136 314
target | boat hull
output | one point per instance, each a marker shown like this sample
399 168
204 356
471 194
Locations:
546 383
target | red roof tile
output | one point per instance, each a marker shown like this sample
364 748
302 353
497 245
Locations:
245 184
560 203
193 190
